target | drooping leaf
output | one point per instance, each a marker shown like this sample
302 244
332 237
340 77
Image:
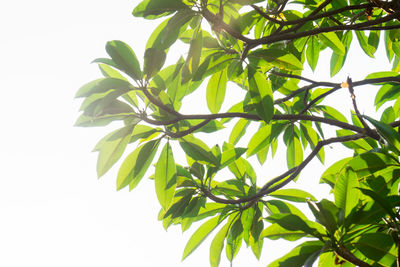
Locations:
312 52
261 91
217 245
234 240
216 88
330 39
345 191
112 148
153 61
136 164
165 177
238 131
201 233
363 41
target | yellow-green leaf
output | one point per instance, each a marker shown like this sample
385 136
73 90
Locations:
136 164
165 177
216 88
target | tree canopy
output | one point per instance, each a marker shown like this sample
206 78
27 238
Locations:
260 47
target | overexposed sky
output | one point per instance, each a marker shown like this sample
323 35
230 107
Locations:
53 209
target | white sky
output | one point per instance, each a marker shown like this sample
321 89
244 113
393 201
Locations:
53 210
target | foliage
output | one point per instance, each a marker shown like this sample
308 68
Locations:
260 47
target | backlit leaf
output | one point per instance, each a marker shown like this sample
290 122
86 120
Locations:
201 233
124 58
136 164
165 177
216 88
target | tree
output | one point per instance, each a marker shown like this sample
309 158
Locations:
260 47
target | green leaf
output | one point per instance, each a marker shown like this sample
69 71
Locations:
231 155
211 64
259 140
110 72
375 246
299 255
294 153
345 191
337 60
112 148
326 214
198 150
154 59
278 58
295 195
152 9
312 52
363 41
136 164
388 133
201 233
333 172
234 240
261 91
238 131
106 112
216 88
386 93
275 231
383 202
103 85
330 39
124 58
275 206
332 113
381 74
169 30
291 222
217 245
165 177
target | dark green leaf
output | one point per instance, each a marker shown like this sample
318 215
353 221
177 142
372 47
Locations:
198 150
299 255
388 133
124 58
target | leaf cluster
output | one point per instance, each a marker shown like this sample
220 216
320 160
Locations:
260 47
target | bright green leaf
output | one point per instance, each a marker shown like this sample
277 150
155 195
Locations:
165 177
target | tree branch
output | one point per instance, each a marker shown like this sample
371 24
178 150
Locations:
348 256
293 172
